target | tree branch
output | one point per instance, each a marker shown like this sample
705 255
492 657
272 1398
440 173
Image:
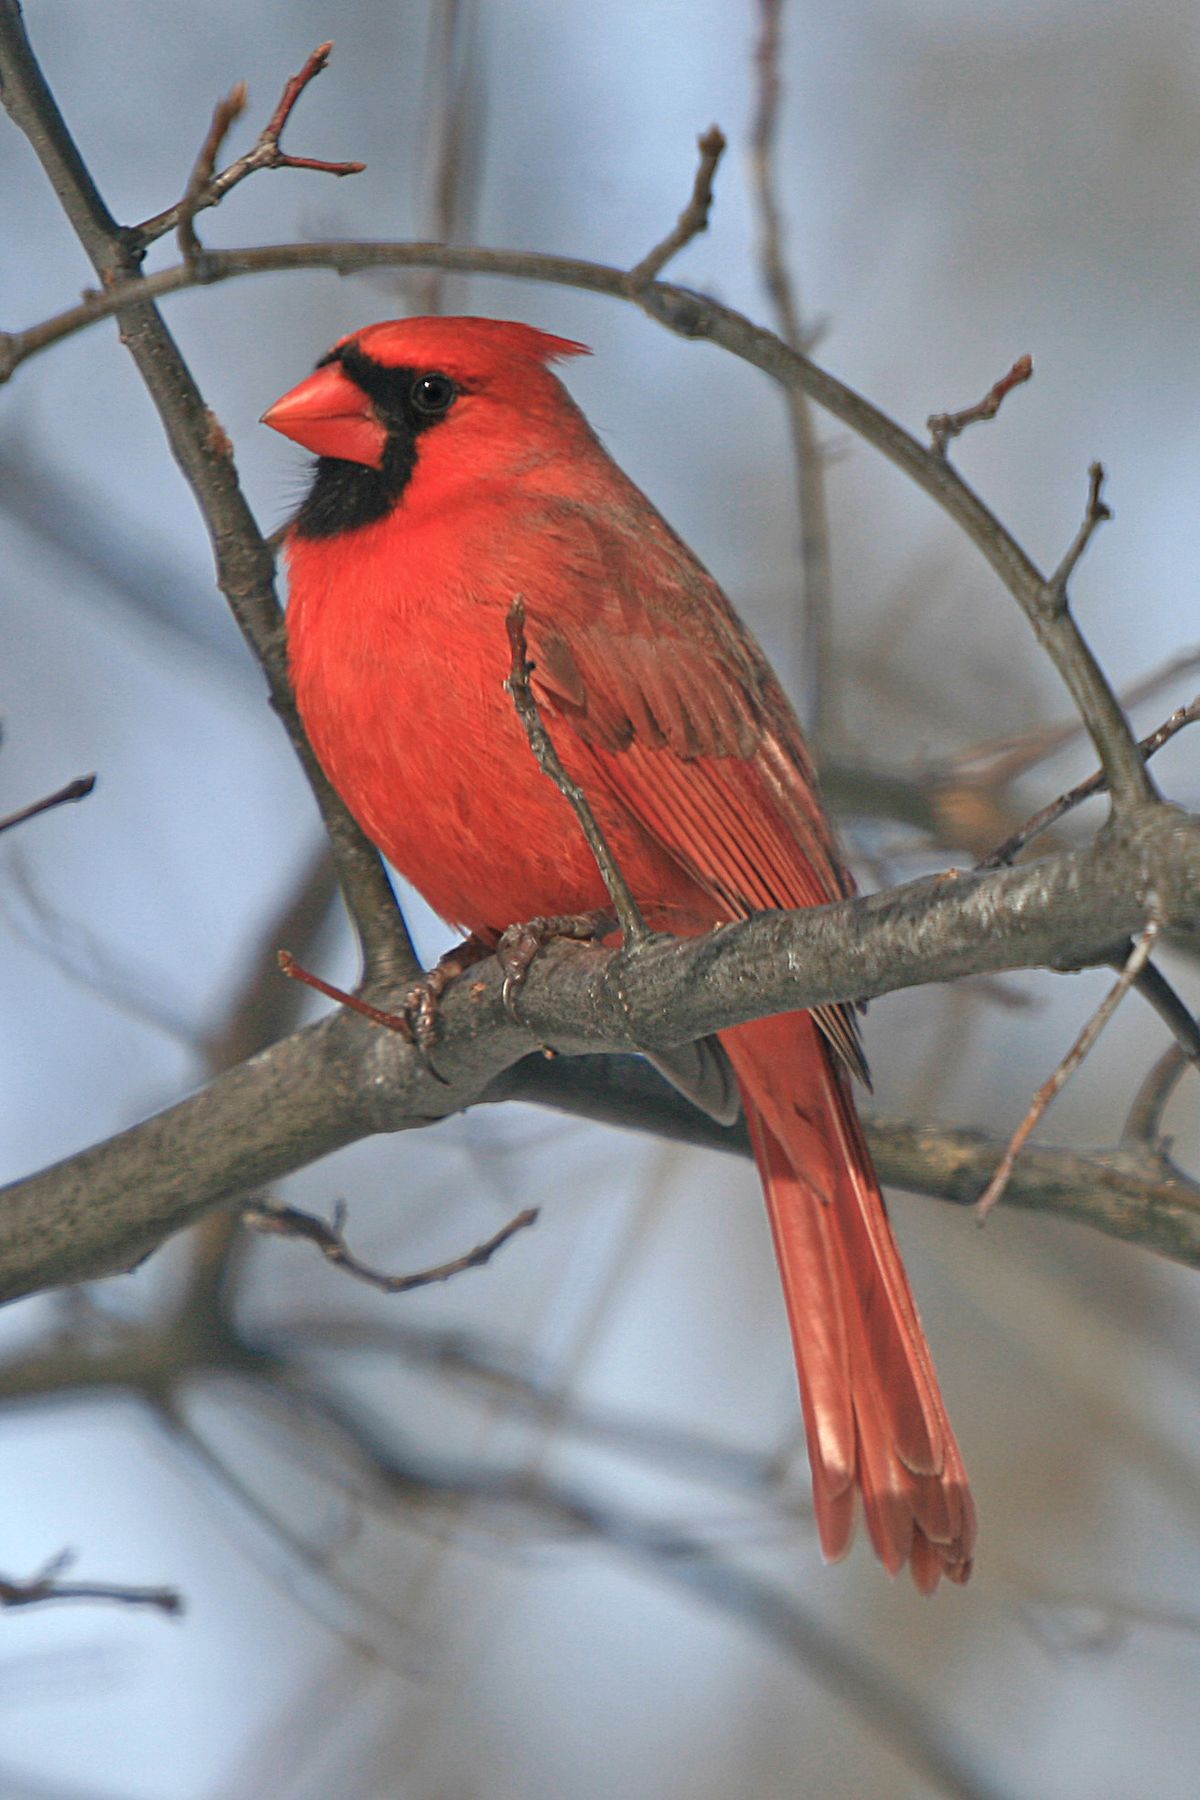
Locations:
244 563
343 1079
273 1219
695 316
79 789
47 1588
207 189
818 708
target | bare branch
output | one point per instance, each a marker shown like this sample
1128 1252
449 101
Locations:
1125 1193
244 564
1096 783
207 189
272 1217
79 789
225 114
945 426
629 915
103 1209
46 1588
1138 958
694 217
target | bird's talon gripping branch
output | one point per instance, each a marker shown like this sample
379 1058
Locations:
422 1003
520 944
416 1022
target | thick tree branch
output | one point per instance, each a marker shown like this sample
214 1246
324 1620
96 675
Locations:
343 1079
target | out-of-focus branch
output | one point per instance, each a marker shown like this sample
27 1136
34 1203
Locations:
78 789
818 708
274 1219
47 1588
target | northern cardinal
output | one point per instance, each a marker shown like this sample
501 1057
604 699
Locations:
454 473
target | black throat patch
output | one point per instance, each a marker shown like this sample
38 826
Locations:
345 496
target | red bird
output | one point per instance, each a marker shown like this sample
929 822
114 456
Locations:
455 473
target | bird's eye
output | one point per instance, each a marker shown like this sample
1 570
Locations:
433 394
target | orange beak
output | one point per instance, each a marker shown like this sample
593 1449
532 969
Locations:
330 416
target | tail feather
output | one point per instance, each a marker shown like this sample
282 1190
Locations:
874 1415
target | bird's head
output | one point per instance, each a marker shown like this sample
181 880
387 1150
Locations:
457 393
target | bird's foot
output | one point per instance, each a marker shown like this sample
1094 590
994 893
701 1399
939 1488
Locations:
520 944
422 1003
417 1019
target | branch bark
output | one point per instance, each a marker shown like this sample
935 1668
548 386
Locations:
343 1079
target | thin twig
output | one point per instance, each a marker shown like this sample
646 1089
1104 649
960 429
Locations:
1095 514
1096 783
451 133
1138 957
819 701
1143 1124
287 1221
244 565
694 217
693 315
225 115
45 1587
378 1015
629 914
207 189
78 789
945 426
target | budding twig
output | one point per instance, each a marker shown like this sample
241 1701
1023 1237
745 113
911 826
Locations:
694 217
945 426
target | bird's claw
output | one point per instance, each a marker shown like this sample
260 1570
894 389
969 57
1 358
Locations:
520 944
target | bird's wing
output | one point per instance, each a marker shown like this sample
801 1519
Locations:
640 657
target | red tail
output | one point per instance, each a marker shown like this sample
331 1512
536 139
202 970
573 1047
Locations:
873 1414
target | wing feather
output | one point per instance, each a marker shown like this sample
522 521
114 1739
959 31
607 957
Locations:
673 709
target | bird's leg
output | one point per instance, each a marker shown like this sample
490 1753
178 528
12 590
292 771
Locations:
423 999
520 944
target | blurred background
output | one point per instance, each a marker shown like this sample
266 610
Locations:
421 1538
